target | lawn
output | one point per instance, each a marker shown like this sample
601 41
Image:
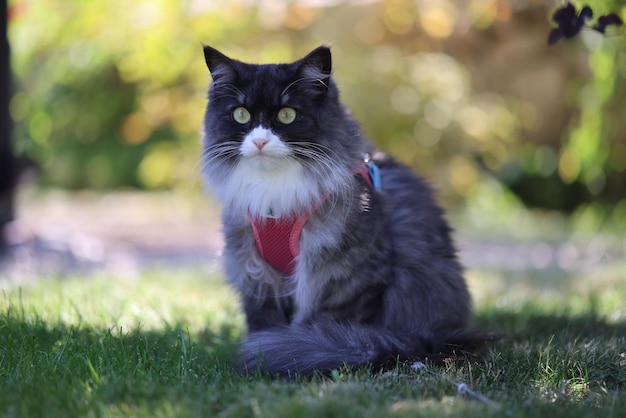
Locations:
161 345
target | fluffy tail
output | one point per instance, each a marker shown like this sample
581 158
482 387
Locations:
303 349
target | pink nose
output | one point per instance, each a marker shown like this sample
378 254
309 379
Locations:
260 143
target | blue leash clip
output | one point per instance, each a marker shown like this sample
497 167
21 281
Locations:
373 172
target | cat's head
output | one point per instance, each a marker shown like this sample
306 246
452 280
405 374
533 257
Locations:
276 138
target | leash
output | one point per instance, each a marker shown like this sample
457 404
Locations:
461 388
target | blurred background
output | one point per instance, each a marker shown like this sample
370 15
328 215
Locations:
525 143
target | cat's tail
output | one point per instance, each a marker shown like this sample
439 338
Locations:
303 349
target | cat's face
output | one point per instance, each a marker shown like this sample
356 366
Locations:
269 112
276 133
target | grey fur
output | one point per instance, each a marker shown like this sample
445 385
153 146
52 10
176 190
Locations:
377 278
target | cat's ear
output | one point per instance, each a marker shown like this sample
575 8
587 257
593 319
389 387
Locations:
220 66
317 65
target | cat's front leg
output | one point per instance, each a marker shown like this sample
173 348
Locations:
266 312
264 303
265 299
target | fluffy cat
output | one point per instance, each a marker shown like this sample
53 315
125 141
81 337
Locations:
374 277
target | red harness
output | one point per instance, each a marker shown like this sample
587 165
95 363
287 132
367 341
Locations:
278 239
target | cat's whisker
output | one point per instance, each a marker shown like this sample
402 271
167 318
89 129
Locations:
220 157
286 89
221 152
321 156
236 93
224 96
300 80
196 172
227 146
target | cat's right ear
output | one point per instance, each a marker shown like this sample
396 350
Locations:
220 66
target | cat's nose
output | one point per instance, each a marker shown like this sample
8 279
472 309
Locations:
260 143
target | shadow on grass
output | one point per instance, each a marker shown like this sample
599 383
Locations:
53 367
525 325
557 348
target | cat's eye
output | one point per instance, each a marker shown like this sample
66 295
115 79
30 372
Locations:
241 115
286 115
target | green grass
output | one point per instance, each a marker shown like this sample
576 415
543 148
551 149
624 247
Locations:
162 346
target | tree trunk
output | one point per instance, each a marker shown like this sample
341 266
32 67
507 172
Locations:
8 171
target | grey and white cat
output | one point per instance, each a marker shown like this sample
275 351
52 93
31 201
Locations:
374 278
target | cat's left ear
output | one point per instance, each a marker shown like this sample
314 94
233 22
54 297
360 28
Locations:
317 65
219 64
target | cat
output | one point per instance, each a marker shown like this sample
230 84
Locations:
369 273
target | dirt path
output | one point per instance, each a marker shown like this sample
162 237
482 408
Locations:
59 234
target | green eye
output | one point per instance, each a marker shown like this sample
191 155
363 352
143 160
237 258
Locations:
241 115
286 115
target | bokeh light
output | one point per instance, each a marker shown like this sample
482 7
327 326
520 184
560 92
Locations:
465 92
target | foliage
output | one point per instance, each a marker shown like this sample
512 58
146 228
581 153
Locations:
157 347
570 22
463 91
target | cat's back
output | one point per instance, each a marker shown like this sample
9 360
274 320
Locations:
426 268
416 222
